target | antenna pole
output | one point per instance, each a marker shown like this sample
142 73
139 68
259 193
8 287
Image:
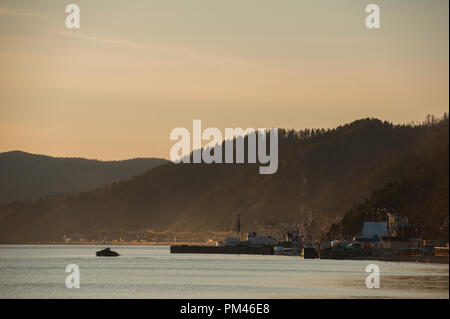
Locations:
238 226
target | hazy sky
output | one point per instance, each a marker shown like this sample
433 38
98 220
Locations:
135 70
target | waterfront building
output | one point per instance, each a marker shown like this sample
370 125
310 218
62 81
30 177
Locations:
367 242
260 240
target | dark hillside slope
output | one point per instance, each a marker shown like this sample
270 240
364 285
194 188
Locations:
421 194
30 176
342 168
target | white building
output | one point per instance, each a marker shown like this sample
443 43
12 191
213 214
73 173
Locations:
371 229
260 240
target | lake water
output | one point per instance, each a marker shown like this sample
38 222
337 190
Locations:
152 272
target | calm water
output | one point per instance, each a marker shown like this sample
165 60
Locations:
152 272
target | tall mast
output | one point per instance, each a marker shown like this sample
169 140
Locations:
302 207
238 226
302 196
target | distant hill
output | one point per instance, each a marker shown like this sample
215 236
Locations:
29 176
342 168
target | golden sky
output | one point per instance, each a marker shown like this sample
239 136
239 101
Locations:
116 87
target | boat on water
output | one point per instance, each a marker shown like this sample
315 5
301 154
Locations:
288 248
107 252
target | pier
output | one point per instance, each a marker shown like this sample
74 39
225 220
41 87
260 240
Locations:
237 249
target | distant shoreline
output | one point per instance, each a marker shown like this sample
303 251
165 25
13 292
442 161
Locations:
159 243
409 259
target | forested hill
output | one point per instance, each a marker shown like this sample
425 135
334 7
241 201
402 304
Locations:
342 167
28 176
421 194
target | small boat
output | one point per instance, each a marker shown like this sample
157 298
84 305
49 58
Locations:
107 252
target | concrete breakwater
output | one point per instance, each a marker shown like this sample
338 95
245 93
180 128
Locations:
313 253
238 249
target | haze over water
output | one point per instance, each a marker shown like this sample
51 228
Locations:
152 272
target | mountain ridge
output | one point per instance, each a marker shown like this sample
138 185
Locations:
29 176
342 166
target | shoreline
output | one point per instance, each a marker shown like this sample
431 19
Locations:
159 243
417 259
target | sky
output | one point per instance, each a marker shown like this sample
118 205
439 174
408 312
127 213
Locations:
135 70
